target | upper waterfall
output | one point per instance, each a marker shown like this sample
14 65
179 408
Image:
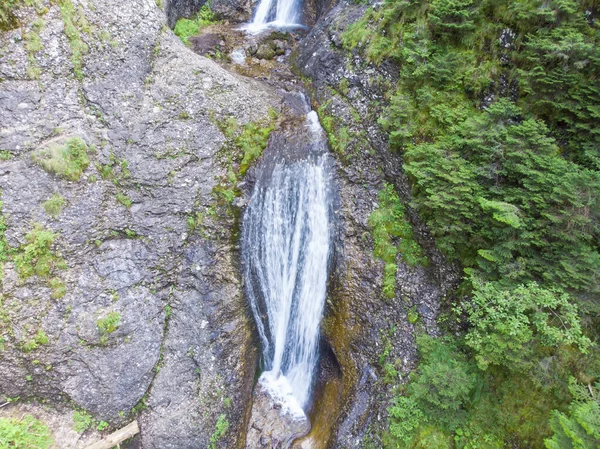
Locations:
276 14
286 247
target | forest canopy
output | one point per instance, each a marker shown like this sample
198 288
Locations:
496 115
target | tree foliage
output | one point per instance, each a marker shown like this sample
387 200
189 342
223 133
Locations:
496 114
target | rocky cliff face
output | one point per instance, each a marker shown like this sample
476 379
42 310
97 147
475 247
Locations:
179 350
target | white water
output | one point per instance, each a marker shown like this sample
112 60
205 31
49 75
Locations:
275 14
286 244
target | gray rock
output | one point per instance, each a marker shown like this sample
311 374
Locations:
183 353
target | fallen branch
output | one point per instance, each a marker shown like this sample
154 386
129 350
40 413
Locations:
116 438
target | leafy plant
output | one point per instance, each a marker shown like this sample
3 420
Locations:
82 421
580 427
186 28
24 433
392 234
36 256
107 325
221 428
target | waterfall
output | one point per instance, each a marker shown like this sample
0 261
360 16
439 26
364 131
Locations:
275 14
286 246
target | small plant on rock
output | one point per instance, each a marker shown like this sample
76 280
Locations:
68 160
54 205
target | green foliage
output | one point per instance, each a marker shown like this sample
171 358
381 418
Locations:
186 28
33 45
510 189
221 428
24 433
107 325
392 234
74 20
252 141
40 338
36 256
123 199
510 327
8 20
68 160
82 421
54 205
58 288
580 427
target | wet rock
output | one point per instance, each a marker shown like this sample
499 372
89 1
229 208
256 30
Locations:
181 354
268 428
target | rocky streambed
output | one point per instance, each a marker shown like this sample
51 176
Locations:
141 312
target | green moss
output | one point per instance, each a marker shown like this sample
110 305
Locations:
107 325
36 256
54 205
58 288
186 28
72 19
82 421
24 433
123 199
392 234
40 338
33 45
5 155
221 428
68 160
252 141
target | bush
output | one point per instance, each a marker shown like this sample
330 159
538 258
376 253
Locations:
186 28
68 160
24 433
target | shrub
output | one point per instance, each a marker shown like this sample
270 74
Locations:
186 28
68 160
24 433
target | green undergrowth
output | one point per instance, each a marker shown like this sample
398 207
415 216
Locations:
221 427
509 187
393 235
24 433
68 160
186 28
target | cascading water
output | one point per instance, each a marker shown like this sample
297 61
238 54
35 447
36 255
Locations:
275 14
286 247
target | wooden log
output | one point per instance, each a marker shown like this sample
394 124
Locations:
117 437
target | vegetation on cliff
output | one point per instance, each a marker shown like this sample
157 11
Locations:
496 115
